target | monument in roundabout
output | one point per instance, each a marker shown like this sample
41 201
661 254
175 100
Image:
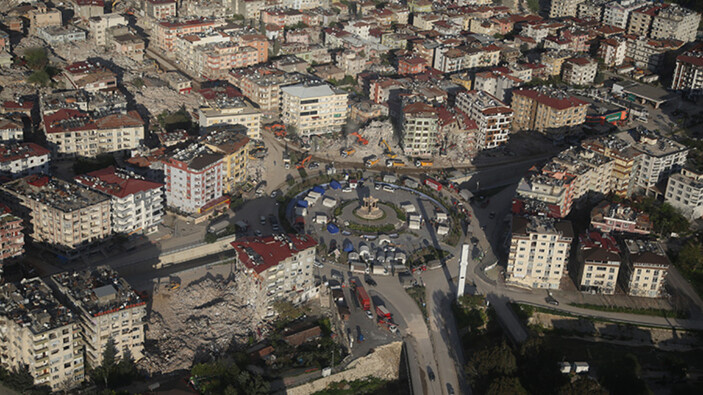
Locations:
369 209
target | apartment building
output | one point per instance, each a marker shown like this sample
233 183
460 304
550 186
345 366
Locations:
89 76
563 8
612 50
619 218
624 161
194 178
545 193
107 308
231 111
640 23
493 117
72 132
282 265
685 192
591 9
659 157
545 108
598 263
99 25
262 85
22 159
314 108
592 170
165 33
137 205
497 83
688 74
160 9
579 71
10 130
419 130
251 9
617 13
234 148
11 237
677 23
42 16
554 60
61 215
649 53
645 269
539 251
40 333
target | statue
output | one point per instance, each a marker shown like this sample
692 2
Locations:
369 209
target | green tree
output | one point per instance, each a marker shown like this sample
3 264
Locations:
287 311
36 58
506 385
533 5
584 385
210 237
690 256
39 77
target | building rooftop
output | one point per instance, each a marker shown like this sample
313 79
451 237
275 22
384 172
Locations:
645 252
62 195
487 103
262 253
31 304
98 291
556 99
66 120
651 143
196 156
542 225
17 151
225 141
116 182
309 91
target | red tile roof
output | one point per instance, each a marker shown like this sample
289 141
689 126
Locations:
12 152
262 253
694 58
60 121
118 184
559 103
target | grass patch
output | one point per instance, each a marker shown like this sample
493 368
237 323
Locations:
428 254
629 310
398 212
418 295
371 228
469 312
340 207
370 385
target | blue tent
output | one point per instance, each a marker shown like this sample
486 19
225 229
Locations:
302 203
319 189
335 185
348 246
332 228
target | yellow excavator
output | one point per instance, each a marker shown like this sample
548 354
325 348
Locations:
389 152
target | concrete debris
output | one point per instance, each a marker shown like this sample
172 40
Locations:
200 318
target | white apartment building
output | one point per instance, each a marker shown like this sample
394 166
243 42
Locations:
282 264
22 159
496 83
231 111
10 130
314 109
71 133
420 125
646 267
660 157
137 204
599 263
539 251
688 74
492 116
98 26
617 13
612 50
39 332
64 216
563 8
676 22
194 178
685 192
579 71
593 171
160 9
108 308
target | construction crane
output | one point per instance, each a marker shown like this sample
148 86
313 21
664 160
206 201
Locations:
389 152
303 162
360 139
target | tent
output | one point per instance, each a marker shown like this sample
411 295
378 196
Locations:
332 228
348 247
319 189
302 203
335 185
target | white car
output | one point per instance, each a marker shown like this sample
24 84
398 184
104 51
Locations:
388 188
318 264
377 186
369 314
346 189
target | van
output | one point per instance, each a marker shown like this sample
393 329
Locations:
388 188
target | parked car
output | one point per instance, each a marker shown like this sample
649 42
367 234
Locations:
369 315
430 373
257 232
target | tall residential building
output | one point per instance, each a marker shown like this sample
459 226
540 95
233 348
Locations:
617 13
688 74
282 265
641 19
625 159
677 23
619 218
194 178
72 132
419 127
492 116
579 70
62 215
11 237
598 263
685 192
539 251
231 111
314 109
612 50
10 130
137 205
165 33
649 53
99 25
108 308
645 269
563 8
496 83
160 9
23 159
545 108
262 85
40 333
591 9
234 147
660 157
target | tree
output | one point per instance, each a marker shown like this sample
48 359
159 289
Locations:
36 58
210 237
286 310
584 385
39 77
506 385
690 256
491 363
533 5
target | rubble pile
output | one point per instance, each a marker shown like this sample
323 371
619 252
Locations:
201 317
375 132
162 98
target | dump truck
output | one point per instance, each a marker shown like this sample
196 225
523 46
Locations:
394 163
346 152
371 161
424 163
363 297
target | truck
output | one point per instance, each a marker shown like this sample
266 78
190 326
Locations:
346 152
424 163
433 184
363 297
394 163
383 312
371 161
